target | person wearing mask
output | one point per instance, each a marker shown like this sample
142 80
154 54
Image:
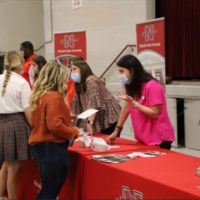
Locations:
51 129
37 64
90 92
67 60
145 101
14 127
27 51
70 82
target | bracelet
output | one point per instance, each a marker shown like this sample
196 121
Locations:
119 128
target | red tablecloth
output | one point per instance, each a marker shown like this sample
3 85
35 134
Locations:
30 183
171 176
78 154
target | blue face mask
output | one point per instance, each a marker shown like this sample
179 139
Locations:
76 77
124 79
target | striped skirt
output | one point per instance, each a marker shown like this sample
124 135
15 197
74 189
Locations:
14 133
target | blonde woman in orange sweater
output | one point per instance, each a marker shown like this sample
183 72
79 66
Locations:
51 128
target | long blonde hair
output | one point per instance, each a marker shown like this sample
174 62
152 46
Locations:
52 77
13 61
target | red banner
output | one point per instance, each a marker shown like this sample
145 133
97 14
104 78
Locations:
150 36
71 43
151 47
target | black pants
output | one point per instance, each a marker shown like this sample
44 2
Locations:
110 129
52 159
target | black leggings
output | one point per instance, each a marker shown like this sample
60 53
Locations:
166 145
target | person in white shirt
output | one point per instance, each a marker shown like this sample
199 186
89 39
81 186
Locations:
14 127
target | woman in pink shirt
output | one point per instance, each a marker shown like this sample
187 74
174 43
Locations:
145 101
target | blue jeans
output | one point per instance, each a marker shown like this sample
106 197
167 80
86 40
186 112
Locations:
53 160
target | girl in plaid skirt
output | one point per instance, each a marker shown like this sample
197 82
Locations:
14 128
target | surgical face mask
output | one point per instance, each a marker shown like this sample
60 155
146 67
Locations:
124 79
76 77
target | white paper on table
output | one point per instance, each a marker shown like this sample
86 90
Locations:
99 144
113 146
87 113
89 140
85 139
100 141
139 154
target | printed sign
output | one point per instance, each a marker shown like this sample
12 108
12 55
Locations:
71 43
151 47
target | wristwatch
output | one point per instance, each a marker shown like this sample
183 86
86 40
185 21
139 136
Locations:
90 122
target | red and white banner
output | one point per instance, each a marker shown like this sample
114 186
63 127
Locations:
151 46
70 43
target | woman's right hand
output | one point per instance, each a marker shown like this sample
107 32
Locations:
75 136
77 130
111 138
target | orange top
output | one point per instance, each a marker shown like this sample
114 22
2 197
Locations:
51 121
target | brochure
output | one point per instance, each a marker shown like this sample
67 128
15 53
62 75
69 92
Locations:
87 113
111 158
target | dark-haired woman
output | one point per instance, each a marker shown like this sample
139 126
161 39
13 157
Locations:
145 101
37 64
90 92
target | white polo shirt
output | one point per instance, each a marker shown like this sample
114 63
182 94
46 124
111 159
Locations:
16 96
